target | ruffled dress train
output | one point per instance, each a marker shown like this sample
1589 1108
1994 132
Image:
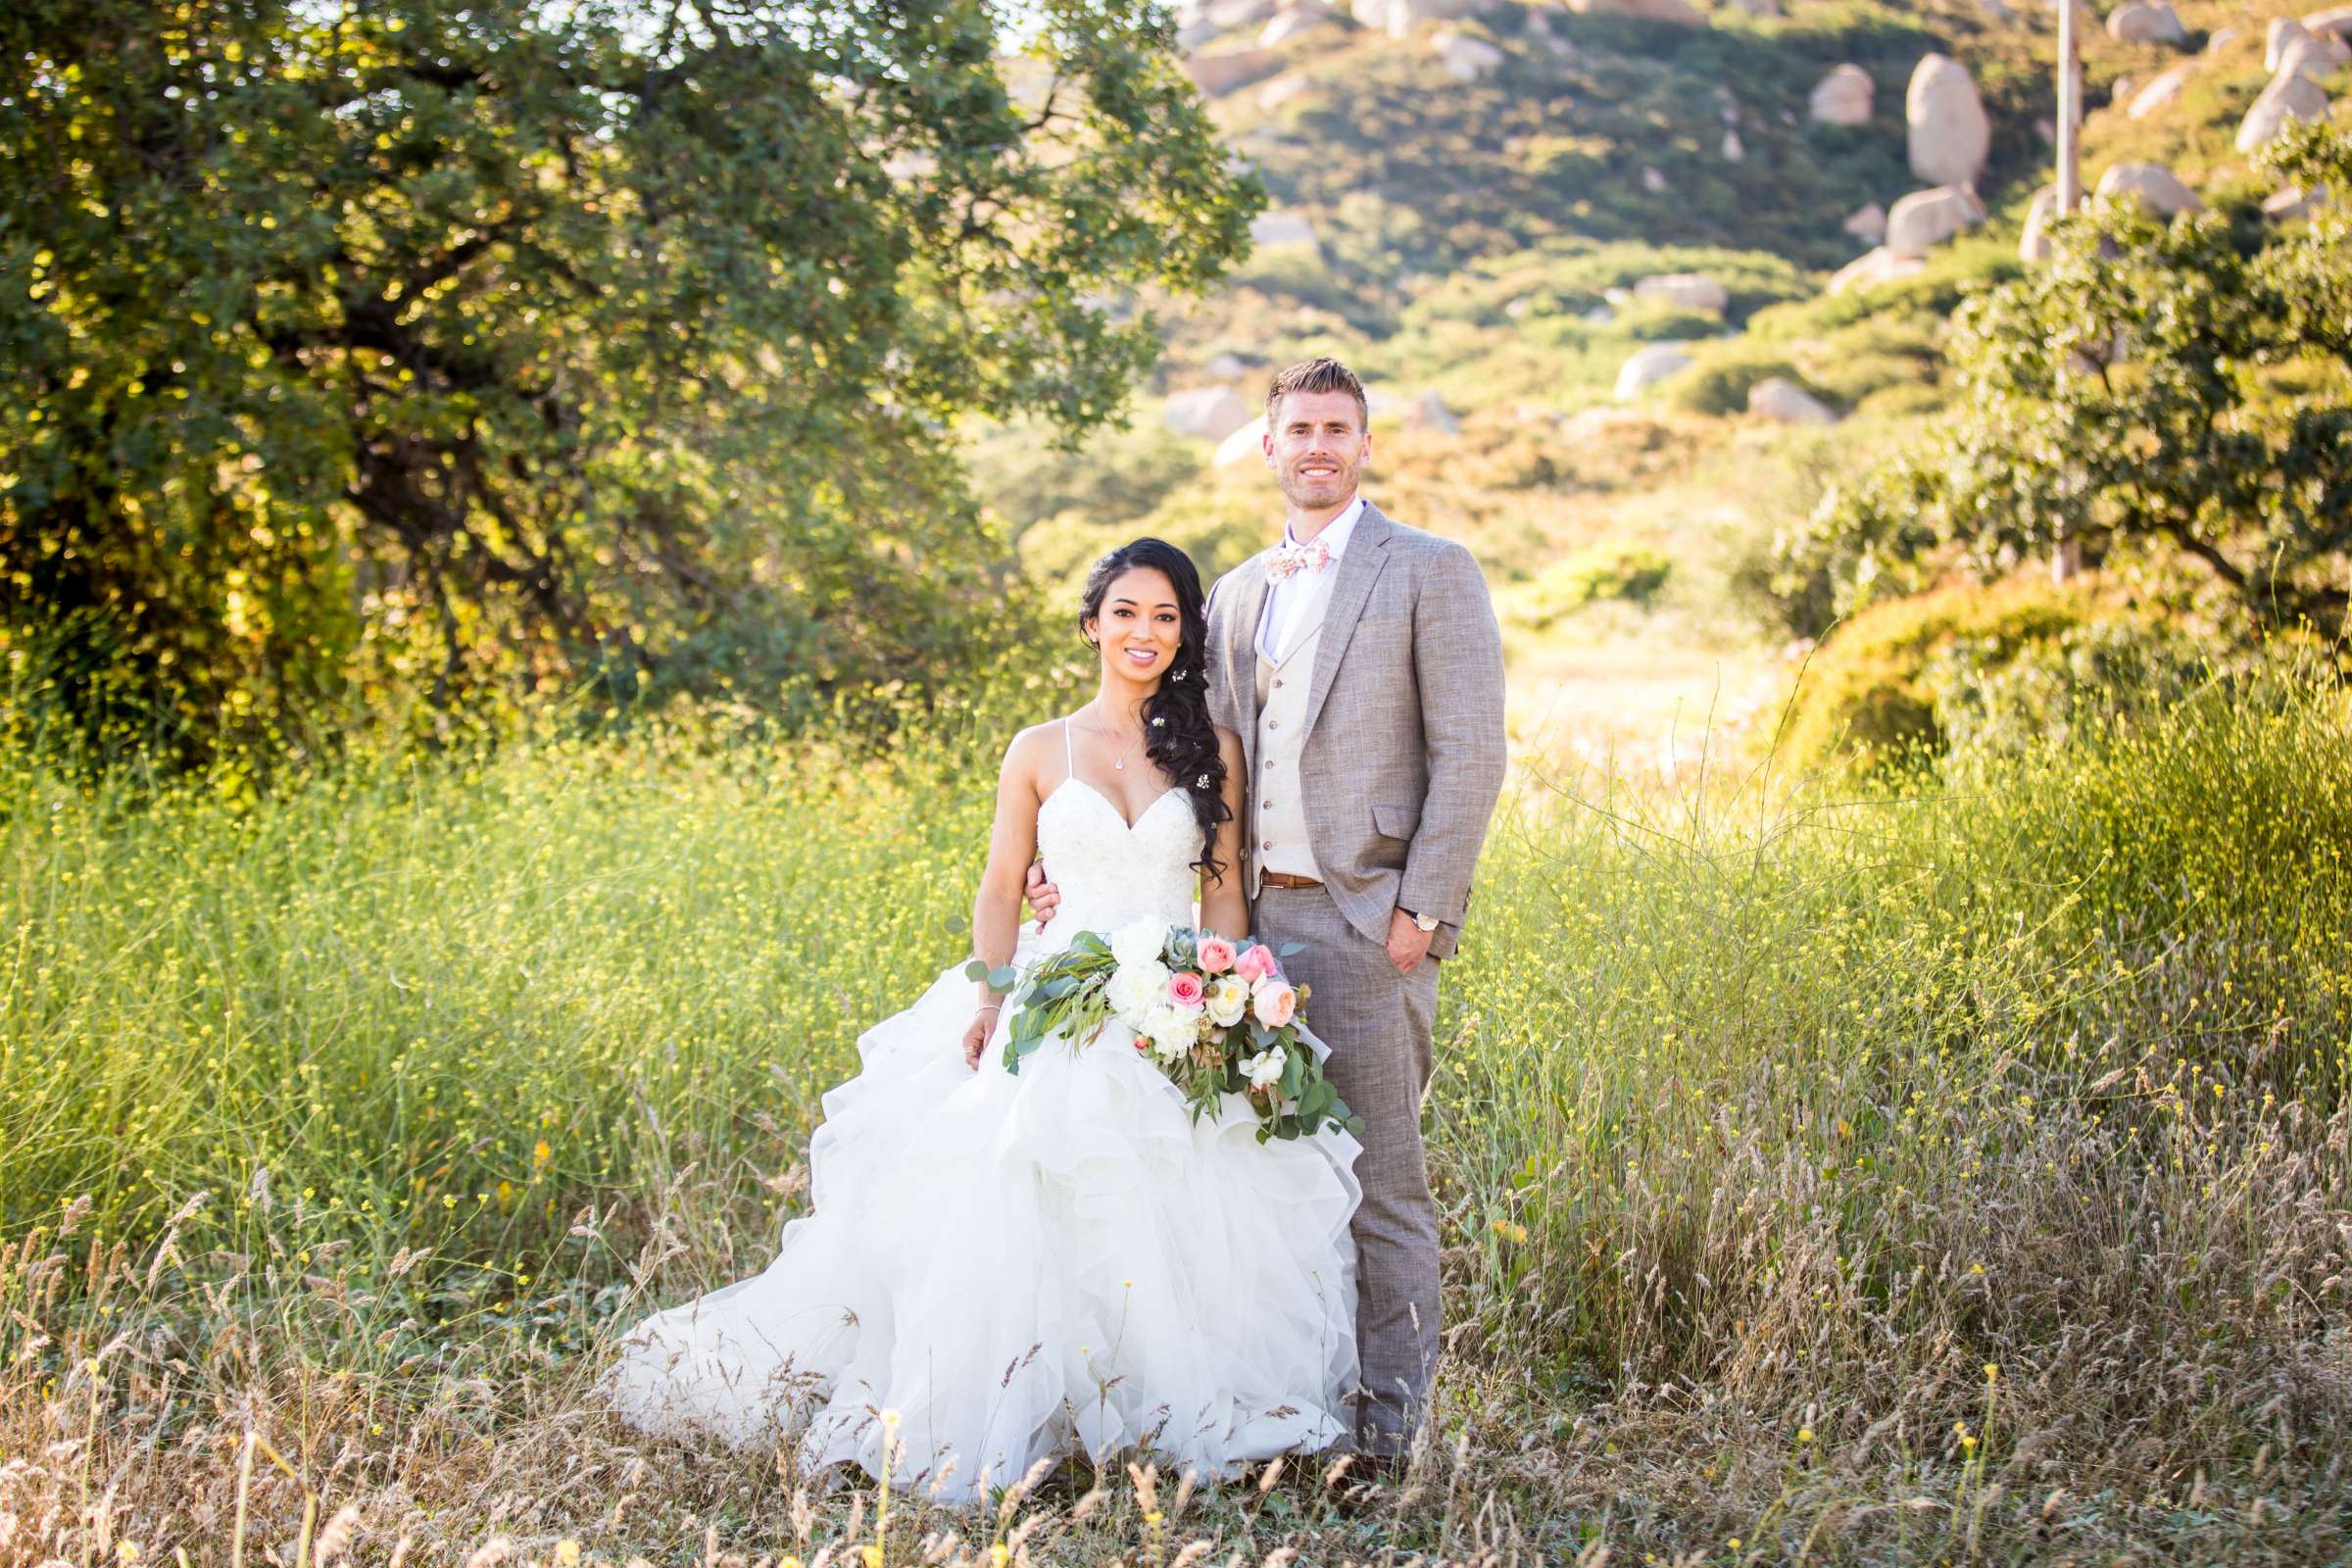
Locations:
999 1267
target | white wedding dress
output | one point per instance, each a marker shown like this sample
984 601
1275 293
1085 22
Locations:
1002 1267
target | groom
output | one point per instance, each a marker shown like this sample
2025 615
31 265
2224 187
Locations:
1359 662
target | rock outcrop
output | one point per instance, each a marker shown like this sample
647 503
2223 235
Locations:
2153 185
1679 12
2147 22
1842 97
1783 402
1227 69
1278 229
1648 366
1949 133
1879 266
2033 245
2291 96
2159 94
1867 224
1245 445
1398 18
1466 59
1926 218
1429 412
1689 291
1206 413
1288 23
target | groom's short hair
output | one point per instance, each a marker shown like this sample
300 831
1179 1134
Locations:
1324 374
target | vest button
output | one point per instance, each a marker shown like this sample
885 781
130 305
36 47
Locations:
1278 685
1273 723
1269 844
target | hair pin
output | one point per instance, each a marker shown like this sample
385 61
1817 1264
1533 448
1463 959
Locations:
1201 782
1158 721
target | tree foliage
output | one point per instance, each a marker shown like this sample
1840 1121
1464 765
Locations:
456 341
2153 382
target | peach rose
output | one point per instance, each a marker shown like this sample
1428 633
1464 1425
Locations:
1255 964
1216 955
1277 1002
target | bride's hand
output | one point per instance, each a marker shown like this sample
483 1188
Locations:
975 1037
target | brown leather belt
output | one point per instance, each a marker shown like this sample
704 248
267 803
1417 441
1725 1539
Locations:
1286 881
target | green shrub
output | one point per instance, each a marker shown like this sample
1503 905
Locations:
1885 686
1629 572
1719 383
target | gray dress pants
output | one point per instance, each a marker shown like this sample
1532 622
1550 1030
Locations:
1377 1023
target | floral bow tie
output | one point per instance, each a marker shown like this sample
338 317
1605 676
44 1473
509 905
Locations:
1290 558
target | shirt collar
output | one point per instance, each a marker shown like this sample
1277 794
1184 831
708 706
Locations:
1336 532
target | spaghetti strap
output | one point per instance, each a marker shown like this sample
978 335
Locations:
1069 757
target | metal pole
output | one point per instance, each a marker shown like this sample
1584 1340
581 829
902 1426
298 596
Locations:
2066 560
2070 111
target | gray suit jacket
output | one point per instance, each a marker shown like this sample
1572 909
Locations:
1404 758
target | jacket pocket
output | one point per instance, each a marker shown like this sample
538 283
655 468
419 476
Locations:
1396 821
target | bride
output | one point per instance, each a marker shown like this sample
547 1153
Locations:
1002 1267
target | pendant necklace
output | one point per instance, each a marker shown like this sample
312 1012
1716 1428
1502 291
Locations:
1118 763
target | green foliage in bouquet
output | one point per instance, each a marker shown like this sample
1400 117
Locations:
1071 994
1065 994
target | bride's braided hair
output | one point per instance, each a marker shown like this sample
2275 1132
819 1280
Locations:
1178 734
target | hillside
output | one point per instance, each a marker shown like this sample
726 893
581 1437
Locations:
1460 207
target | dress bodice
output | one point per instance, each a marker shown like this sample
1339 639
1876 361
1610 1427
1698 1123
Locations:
1111 872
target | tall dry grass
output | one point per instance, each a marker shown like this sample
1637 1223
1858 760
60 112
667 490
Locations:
1952 1171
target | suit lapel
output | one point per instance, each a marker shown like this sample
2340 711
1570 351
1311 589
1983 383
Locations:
1359 568
1241 641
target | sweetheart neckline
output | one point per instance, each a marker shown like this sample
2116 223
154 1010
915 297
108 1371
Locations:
1072 778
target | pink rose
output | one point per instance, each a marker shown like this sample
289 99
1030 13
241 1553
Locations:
1216 955
1277 1002
1185 988
1255 964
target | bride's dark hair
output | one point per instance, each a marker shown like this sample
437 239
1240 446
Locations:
1178 733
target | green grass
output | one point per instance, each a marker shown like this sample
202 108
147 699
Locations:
1764 1124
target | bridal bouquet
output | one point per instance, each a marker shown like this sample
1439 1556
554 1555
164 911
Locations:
1218 1017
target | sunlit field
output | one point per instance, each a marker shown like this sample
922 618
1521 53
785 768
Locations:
1949 1166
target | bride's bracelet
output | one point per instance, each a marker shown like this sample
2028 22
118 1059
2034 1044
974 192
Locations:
991 1007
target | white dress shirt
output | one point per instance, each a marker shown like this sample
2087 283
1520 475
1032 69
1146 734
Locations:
1284 598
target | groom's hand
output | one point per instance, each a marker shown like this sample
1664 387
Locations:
1043 896
1408 944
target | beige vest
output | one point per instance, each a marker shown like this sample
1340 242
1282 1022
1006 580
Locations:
1277 809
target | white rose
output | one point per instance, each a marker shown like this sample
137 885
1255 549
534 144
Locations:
1171 1030
1139 942
1226 999
1264 1070
1135 989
